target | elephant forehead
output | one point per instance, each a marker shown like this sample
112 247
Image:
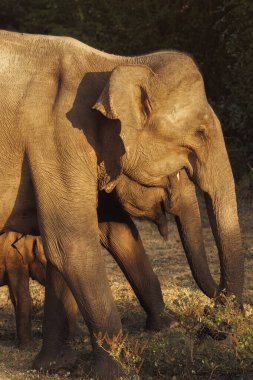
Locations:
191 113
180 100
178 116
175 67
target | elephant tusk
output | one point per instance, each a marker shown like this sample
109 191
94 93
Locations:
178 176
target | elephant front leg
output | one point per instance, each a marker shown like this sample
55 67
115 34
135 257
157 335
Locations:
121 238
82 267
67 214
59 316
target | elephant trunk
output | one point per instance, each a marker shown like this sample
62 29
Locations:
218 185
188 219
222 212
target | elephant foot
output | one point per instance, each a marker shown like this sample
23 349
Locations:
221 329
75 333
25 343
166 319
107 368
62 360
214 333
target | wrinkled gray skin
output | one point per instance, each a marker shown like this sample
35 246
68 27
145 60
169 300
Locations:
63 105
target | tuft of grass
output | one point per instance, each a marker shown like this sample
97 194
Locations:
129 353
185 353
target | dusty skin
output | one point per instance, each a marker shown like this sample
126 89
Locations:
170 264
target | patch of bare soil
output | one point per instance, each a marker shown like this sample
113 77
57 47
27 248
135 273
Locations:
171 354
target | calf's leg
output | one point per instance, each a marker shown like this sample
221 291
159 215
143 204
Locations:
18 283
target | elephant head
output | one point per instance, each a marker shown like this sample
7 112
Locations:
167 125
181 201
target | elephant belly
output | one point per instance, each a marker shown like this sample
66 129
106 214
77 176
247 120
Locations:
3 276
17 204
2 270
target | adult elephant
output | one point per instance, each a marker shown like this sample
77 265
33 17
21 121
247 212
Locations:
120 236
72 120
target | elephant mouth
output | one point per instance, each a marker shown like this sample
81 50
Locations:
149 181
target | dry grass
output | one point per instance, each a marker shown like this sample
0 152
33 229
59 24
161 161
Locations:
171 354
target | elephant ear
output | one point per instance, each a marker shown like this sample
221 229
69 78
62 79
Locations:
125 96
25 246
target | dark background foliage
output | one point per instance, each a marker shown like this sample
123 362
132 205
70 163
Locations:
217 33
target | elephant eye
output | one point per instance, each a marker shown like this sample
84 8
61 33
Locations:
145 104
201 131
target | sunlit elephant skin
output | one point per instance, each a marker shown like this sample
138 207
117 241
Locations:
72 120
21 258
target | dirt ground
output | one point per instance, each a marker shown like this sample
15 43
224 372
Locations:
173 354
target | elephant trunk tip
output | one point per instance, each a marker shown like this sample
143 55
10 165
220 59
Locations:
163 230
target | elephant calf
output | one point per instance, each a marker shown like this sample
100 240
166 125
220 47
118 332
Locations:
21 257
